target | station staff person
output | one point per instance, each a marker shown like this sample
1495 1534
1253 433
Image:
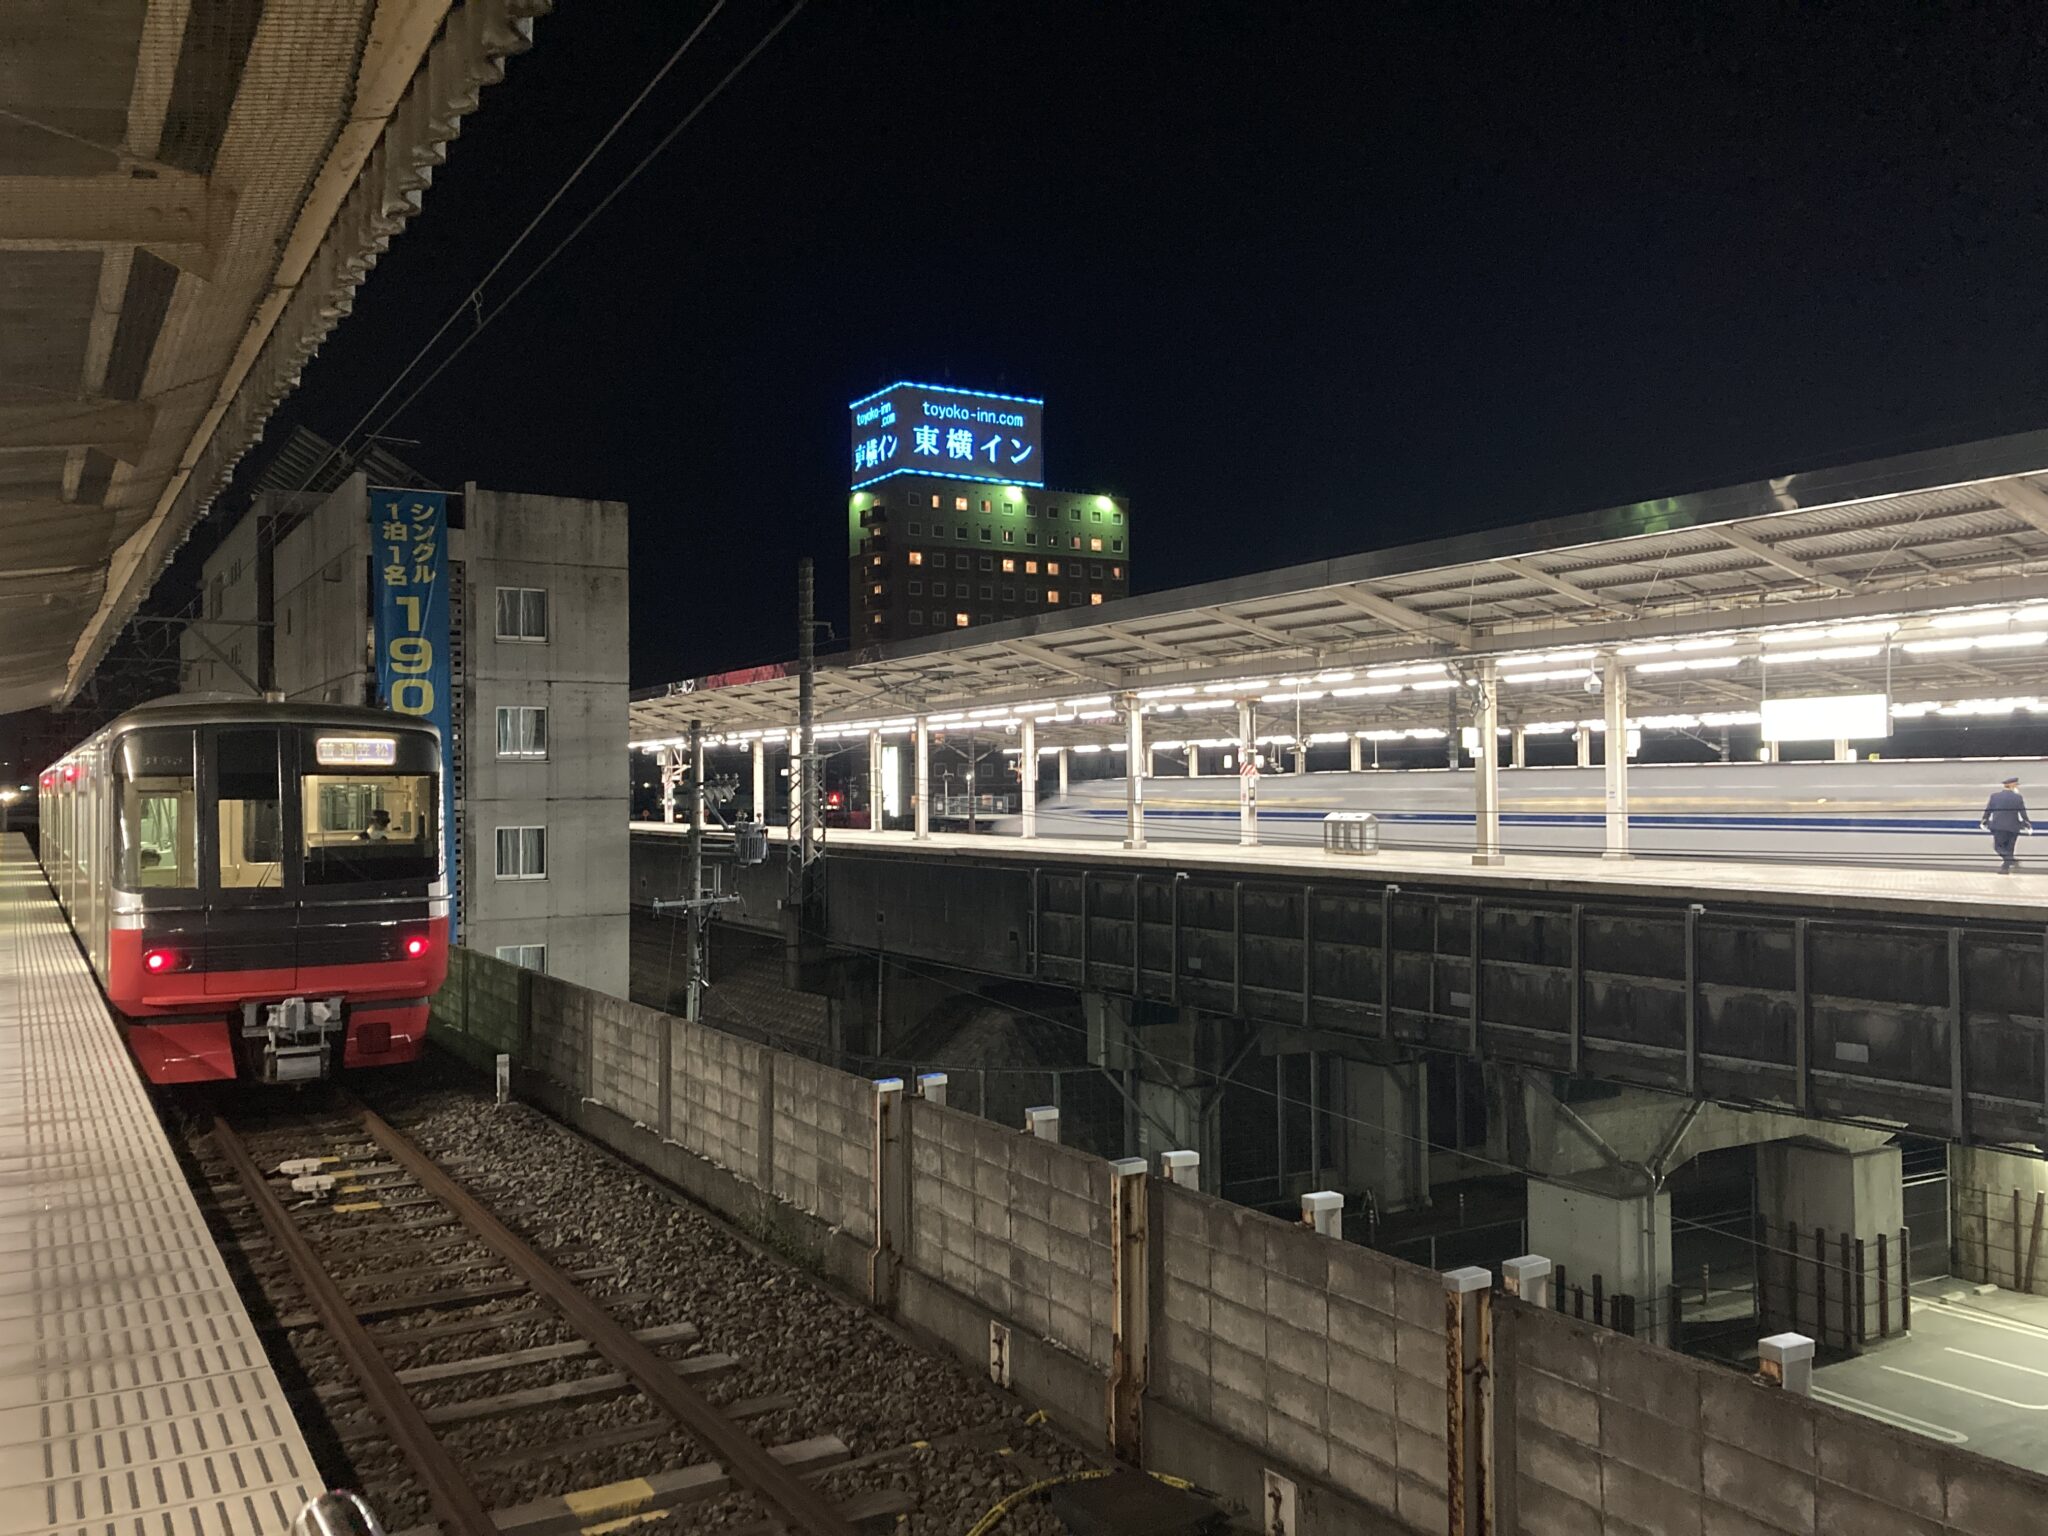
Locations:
2005 817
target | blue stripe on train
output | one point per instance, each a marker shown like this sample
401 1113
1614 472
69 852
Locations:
1921 824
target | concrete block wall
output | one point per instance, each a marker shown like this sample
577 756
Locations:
719 1092
1324 1357
824 1140
625 1057
559 1031
1019 1225
1612 1435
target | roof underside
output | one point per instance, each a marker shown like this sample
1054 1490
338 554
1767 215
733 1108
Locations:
190 191
1900 540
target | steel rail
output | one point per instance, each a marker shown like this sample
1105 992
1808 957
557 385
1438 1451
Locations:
745 1458
455 1501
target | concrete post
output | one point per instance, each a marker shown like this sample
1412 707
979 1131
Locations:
1624 1238
1300 756
1582 743
1357 753
875 795
668 784
1468 1399
1842 752
892 1194
1786 1360
1130 1314
1043 1121
1519 755
1027 773
761 780
1324 1212
1194 761
931 1087
1063 772
921 793
1135 763
1614 677
1768 752
1151 762
1247 777
1527 1277
1182 1167
1819 1204
1486 768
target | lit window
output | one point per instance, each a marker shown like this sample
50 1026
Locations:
522 613
1094 599
1030 567
1077 541
984 506
935 501
959 621
1116 572
522 853
522 731
1052 594
917 557
1095 545
960 505
1009 566
1052 567
875 590
874 618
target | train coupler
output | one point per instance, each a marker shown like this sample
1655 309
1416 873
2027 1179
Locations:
289 1040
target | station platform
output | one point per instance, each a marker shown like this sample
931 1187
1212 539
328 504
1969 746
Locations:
1764 883
135 1396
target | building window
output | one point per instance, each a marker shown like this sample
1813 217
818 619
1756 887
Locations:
917 557
935 501
1115 516
1009 535
1009 593
1095 545
1095 571
1052 567
1031 594
522 613
1052 594
1030 535
938 589
917 618
1074 514
1030 510
959 621
988 562
987 537
916 529
1098 514
1030 567
1095 599
1116 546
877 589
938 618
984 505
874 618
916 588
522 853
960 533
988 591
1116 572
532 957
522 731
959 503
1009 566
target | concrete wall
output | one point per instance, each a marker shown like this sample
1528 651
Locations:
322 603
1988 1240
1270 1347
576 551
219 655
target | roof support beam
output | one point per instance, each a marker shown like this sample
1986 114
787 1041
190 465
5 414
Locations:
1087 672
1132 637
118 427
2024 500
1401 617
182 214
1750 544
1557 584
1251 627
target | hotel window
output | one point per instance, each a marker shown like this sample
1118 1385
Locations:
1052 567
1030 510
522 731
938 589
988 562
1116 546
959 503
1095 599
1098 514
984 504
876 590
1030 535
916 529
1074 514
531 957
935 501
938 618
1009 593
522 613
987 537
1095 571
988 591
916 588
917 557
1031 594
1077 541
917 618
1030 567
1116 572
522 853
1009 535
1095 545
1052 594
1009 566
959 621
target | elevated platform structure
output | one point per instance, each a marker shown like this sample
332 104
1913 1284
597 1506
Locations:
138 1396
189 197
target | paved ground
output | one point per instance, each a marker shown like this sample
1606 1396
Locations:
1973 1372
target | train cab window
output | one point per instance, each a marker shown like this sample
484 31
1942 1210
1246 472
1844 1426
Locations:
373 824
251 815
158 825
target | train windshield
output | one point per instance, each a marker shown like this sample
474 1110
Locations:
158 824
371 809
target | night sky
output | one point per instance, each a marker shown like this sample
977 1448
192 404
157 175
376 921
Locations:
1298 279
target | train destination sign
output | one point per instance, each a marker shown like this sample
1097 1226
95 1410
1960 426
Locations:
961 434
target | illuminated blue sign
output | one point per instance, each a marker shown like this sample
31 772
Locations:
962 434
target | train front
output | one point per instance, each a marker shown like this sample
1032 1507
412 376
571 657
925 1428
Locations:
279 902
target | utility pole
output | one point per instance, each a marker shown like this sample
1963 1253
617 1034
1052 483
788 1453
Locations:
695 915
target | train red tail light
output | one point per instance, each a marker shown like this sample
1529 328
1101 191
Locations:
416 946
157 961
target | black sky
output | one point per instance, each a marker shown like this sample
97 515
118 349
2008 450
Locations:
1298 279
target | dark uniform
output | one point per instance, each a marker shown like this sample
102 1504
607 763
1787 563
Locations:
2005 815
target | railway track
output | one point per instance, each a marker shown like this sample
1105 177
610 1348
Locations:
444 1322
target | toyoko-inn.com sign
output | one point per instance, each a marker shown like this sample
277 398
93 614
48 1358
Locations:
929 429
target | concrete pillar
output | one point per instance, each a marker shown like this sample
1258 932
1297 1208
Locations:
921 800
875 795
1582 741
668 784
1027 773
1247 776
1813 1196
1357 753
1486 768
1614 677
1768 752
1624 1238
1151 762
1519 755
1301 757
1383 1138
1135 760
1843 754
1194 761
761 780
1063 772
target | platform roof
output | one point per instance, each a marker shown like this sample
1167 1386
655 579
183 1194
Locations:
1925 576
189 197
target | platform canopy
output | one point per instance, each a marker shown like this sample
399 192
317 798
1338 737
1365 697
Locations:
190 193
1924 577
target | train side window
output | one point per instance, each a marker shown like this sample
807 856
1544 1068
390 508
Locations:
251 814
158 825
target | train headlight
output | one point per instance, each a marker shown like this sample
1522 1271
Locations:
416 946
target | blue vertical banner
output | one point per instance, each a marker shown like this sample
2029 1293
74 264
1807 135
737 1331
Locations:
409 593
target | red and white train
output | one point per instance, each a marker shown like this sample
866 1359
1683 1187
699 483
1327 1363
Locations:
260 887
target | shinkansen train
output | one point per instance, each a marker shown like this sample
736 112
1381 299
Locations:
1904 812
259 886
